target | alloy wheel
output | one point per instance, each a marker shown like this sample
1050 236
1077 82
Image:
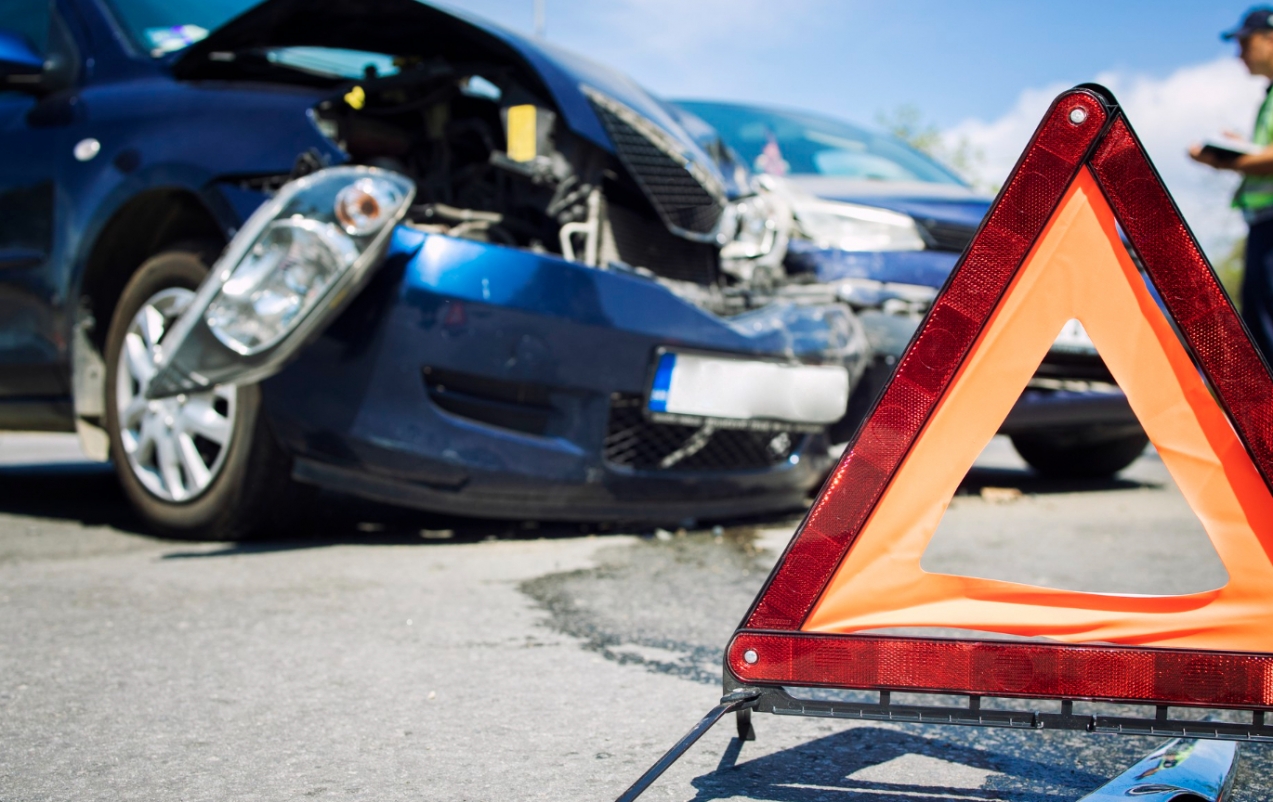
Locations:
175 446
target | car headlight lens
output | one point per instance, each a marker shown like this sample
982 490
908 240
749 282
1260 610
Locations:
852 227
311 238
290 268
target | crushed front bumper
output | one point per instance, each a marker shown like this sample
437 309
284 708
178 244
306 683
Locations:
481 380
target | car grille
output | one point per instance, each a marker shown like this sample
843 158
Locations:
943 236
643 241
633 441
666 177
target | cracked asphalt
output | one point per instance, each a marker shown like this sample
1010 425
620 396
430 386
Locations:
392 655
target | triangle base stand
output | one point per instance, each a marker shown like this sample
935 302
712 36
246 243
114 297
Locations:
1212 745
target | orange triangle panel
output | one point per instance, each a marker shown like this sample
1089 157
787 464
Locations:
1050 250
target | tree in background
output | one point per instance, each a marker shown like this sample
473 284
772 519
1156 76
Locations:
906 122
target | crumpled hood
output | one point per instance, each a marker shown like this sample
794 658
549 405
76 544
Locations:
408 27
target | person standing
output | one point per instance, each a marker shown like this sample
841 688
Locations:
1255 195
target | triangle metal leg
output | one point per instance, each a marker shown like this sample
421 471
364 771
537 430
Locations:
746 732
738 701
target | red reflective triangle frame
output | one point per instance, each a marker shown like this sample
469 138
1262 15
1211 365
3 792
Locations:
1083 128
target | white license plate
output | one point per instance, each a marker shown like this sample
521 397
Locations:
697 386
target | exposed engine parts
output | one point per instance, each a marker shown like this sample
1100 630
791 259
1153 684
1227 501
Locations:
492 162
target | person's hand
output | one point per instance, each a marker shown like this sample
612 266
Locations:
1208 158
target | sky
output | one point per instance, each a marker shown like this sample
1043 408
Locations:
982 73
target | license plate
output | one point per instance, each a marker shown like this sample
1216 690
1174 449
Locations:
747 394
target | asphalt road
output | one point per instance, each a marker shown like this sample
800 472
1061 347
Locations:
395 656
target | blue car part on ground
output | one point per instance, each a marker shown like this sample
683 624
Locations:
566 229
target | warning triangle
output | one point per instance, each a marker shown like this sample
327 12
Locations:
1050 250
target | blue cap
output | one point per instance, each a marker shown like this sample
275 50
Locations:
1257 19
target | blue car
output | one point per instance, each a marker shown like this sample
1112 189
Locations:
386 249
884 225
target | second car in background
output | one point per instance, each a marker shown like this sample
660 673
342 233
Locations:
884 225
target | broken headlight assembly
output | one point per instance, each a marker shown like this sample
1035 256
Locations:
748 229
753 234
851 227
293 266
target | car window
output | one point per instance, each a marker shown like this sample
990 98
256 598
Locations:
337 62
28 18
158 27
791 143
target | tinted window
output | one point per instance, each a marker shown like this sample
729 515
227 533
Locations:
30 18
807 144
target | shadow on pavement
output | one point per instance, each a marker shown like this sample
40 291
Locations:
88 493
348 520
823 769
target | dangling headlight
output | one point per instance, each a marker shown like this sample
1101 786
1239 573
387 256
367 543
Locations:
288 270
851 227
296 261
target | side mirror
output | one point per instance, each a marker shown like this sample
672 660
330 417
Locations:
20 66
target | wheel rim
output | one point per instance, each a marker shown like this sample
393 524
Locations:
175 446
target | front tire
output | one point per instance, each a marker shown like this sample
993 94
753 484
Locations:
1081 454
198 465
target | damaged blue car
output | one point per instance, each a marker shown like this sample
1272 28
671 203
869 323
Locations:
392 251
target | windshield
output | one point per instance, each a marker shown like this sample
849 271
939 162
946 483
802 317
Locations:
790 143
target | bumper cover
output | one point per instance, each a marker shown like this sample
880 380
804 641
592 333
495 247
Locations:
482 380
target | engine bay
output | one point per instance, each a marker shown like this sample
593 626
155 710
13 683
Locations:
493 162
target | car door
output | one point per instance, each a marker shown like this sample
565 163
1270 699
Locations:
33 351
